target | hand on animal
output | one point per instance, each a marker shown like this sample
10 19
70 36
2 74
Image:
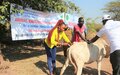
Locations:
88 41
65 44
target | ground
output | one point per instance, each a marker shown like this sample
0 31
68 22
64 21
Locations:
32 61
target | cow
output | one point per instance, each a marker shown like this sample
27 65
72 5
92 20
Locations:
81 53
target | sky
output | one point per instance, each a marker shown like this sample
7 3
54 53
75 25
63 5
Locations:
91 8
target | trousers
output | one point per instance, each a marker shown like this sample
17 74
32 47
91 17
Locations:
51 57
115 61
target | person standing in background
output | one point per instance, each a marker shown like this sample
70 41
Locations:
79 31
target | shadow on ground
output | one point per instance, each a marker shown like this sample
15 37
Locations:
15 53
42 65
19 53
86 71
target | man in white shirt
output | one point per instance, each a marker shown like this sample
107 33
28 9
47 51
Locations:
112 30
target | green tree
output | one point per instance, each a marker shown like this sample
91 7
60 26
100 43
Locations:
93 25
114 9
40 5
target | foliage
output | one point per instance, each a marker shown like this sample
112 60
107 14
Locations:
40 5
93 25
114 9
4 10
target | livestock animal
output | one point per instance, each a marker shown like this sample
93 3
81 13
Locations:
82 53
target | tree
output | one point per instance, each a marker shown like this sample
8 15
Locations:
40 5
114 9
92 27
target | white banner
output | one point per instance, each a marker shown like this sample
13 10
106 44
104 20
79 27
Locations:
71 20
32 24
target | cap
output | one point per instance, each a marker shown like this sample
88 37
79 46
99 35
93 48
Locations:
106 17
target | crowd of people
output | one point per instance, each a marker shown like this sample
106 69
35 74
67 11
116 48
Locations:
110 29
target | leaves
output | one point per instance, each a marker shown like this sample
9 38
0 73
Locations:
114 9
2 17
40 5
92 24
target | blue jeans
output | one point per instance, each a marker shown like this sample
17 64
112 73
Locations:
51 57
115 61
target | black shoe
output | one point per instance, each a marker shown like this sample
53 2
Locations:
54 70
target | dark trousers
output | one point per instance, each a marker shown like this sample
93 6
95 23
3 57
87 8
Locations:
115 61
51 57
65 50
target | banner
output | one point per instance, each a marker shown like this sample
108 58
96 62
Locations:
71 20
32 24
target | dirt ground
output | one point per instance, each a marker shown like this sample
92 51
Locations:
32 61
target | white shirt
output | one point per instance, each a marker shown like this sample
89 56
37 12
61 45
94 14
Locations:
112 30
